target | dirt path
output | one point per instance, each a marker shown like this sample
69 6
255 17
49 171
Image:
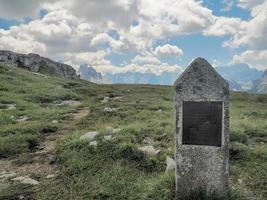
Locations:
39 165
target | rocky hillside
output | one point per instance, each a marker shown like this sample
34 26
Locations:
36 63
261 84
88 73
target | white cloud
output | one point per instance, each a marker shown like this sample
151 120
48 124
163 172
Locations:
248 4
228 4
168 50
253 33
19 9
225 26
146 59
256 59
147 68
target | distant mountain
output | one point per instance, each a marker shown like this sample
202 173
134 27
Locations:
239 72
234 86
36 63
166 78
260 86
88 73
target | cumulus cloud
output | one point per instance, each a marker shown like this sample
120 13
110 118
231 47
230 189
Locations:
19 9
254 58
147 68
81 34
146 59
168 50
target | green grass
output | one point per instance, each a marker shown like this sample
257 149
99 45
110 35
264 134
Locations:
116 169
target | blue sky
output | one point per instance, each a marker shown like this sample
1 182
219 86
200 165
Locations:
137 35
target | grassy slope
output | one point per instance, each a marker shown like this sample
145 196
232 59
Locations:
117 169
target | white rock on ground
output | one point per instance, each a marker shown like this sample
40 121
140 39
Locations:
93 143
6 175
149 150
108 137
115 130
25 180
109 110
22 118
147 140
50 176
69 102
54 122
105 100
89 135
170 164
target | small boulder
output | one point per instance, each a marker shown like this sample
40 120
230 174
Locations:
170 164
108 137
22 118
89 135
50 176
109 110
54 122
25 180
147 140
149 150
93 143
105 100
115 130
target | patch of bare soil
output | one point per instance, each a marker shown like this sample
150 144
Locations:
80 114
39 165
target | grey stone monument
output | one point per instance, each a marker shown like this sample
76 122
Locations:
201 131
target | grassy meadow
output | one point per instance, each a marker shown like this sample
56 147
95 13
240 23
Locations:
116 168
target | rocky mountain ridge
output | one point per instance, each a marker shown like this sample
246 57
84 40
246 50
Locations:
260 86
88 73
36 63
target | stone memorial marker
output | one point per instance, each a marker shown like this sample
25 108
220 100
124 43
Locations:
201 130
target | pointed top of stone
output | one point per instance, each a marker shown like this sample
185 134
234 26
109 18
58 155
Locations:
200 77
202 68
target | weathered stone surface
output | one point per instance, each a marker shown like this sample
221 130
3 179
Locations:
201 166
149 150
109 110
88 73
93 143
108 137
36 63
170 164
25 180
89 135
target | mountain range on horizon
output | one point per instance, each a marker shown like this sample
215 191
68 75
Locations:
240 77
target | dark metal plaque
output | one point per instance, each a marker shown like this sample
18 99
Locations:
202 123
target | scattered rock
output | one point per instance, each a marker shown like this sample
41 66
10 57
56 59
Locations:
6 175
159 111
89 135
25 180
23 118
69 102
105 100
115 130
170 164
109 110
11 106
108 137
149 150
53 159
54 122
36 63
50 176
93 143
38 74
147 140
